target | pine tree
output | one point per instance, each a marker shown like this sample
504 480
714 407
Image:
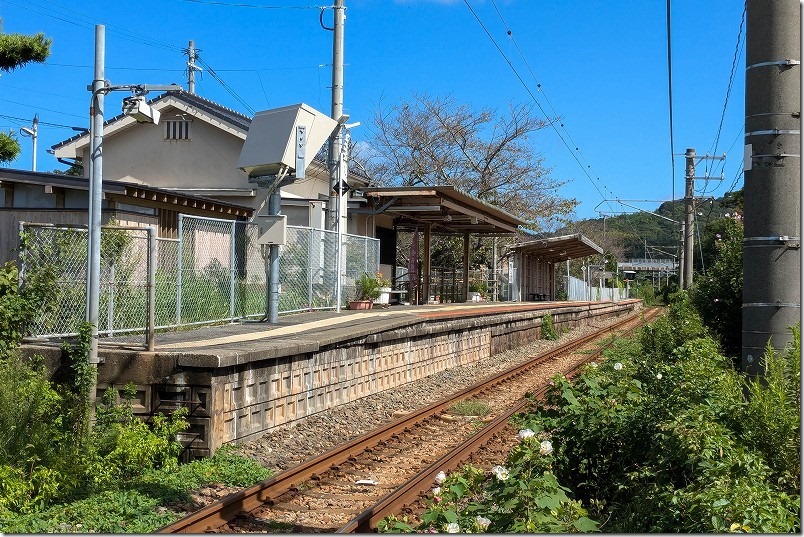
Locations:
17 50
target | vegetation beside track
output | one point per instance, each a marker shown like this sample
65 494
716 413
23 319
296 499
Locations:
664 436
58 472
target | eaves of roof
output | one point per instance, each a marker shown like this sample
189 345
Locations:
227 115
128 190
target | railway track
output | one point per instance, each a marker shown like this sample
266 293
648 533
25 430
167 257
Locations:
352 486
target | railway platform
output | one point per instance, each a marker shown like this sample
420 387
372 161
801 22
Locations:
239 380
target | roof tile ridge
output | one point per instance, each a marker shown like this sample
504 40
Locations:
209 102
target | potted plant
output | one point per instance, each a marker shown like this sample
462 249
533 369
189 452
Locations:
385 289
476 290
367 288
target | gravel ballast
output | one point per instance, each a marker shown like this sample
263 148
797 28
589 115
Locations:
290 444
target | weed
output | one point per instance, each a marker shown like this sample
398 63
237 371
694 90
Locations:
470 407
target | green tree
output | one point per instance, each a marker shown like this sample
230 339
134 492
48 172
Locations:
718 296
17 50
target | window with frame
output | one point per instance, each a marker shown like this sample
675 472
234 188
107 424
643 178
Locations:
177 129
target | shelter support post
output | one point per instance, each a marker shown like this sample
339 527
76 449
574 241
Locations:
426 268
466 266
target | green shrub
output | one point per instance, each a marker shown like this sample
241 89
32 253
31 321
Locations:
659 437
226 467
123 447
521 497
771 421
548 330
718 296
29 412
125 511
17 305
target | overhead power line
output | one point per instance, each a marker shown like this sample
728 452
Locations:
27 121
226 86
670 103
550 121
737 49
255 6
577 155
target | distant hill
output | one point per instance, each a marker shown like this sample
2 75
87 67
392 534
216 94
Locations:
640 234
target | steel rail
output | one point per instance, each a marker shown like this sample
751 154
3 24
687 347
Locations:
413 489
224 510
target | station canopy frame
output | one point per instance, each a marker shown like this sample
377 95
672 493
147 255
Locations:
444 209
557 249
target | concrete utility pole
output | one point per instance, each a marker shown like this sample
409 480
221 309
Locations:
771 248
191 68
689 217
95 201
335 194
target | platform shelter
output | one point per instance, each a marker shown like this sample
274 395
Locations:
437 210
534 264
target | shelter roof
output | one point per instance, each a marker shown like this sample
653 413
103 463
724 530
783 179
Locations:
556 249
448 210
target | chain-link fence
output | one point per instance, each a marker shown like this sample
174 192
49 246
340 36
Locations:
214 272
60 252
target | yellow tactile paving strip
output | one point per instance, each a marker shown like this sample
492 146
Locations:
323 323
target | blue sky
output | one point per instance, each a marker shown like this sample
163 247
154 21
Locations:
602 67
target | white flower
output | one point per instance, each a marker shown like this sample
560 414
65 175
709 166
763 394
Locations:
593 364
525 433
440 477
659 376
618 366
545 448
436 491
453 527
483 522
500 472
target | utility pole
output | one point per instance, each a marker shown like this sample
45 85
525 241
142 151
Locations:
33 133
95 201
689 217
687 250
191 68
771 247
335 183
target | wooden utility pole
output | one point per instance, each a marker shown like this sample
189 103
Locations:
771 248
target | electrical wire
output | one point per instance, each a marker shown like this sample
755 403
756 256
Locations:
45 109
40 123
541 90
255 6
670 103
737 48
550 122
225 86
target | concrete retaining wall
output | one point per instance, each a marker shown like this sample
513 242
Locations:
235 399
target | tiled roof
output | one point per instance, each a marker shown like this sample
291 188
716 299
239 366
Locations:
214 109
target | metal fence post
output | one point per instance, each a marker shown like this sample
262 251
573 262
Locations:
21 271
178 272
232 272
151 312
311 240
110 301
